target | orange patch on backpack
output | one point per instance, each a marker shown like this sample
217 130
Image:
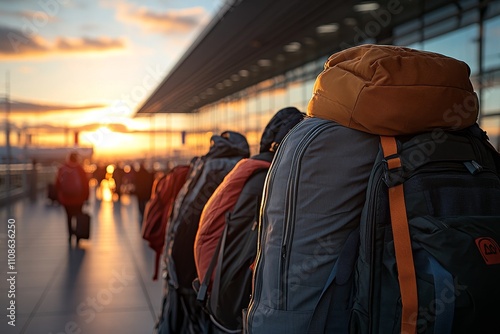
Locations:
489 250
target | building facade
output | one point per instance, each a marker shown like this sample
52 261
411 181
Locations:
466 30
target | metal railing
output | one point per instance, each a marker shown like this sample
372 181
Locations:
18 180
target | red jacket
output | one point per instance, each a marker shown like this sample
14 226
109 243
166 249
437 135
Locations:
81 197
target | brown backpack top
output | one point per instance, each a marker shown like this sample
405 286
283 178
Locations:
391 90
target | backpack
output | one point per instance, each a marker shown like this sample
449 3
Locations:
312 200
224 275
397 235
429 260
180 310
70 182
159 208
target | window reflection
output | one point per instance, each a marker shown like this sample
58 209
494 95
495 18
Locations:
447 31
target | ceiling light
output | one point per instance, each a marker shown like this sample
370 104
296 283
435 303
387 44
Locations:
228 82
292 47
235 77
210 91
220 85
327 28
309 41
350 21
366 7
264 62
244 73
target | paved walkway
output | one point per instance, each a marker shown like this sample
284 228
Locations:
102 286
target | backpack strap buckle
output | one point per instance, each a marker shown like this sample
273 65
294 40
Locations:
393 167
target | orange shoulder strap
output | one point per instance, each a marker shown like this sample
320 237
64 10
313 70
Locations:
402 242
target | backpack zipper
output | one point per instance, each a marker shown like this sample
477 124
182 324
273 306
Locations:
293 181
258 258
370 235
267 192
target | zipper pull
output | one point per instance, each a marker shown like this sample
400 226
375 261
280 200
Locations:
254 226
473 167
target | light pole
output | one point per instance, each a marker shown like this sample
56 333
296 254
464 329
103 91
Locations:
7 134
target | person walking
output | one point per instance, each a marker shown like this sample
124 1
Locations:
118 174
143 185
72 187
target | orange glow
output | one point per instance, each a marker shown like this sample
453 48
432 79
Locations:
110 169
104 138
109 143
106 192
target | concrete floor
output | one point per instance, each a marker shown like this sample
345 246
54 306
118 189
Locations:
102 286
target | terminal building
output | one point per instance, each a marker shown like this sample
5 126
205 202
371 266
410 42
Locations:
258 56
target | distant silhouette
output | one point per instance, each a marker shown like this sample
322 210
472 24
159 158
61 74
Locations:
143 181
72 189
118 174
100 173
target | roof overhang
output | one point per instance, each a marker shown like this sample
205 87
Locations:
250 41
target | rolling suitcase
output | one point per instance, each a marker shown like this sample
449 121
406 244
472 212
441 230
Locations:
82 226
52 192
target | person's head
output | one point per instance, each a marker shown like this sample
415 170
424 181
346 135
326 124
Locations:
73 157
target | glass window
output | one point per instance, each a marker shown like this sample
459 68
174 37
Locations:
491 43
309 86
460 44
492 127
440 14
295 94
279 96
491 100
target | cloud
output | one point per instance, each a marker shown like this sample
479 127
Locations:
30 15
88 44
21 107
15 43
181 21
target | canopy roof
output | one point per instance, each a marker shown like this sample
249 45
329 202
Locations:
249 41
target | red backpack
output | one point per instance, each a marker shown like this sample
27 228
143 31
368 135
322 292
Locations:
70 182
159 208
213 217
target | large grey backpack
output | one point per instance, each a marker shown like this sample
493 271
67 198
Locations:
314 194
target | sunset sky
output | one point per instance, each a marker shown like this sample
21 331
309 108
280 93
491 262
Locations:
89 62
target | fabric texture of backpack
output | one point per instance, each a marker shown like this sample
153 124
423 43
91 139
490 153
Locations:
429 260
420 252
181 313
211 247
312 201
213 217
159 208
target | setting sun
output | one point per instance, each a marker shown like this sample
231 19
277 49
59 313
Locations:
106 141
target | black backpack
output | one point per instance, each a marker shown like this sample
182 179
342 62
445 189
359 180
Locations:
429 260
180 311
309 277
232 261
